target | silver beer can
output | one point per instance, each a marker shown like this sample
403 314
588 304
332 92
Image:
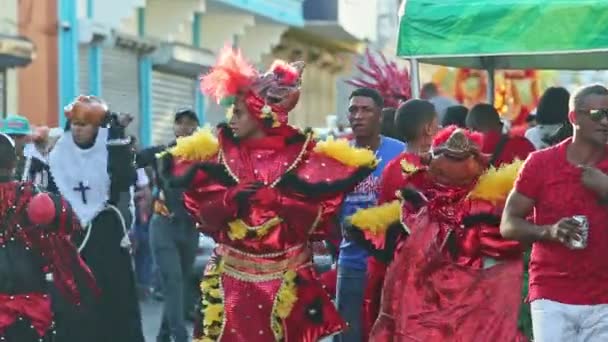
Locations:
584 227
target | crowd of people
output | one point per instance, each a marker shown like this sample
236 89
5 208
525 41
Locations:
444 223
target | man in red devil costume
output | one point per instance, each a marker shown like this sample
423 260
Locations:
263 191
34 247
440 287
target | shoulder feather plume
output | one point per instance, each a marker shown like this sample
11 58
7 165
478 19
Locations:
343 152
377 219
199 146
496 183
231 74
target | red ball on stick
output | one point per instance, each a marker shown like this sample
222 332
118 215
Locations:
41 209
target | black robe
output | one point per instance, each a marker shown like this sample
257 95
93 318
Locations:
115 315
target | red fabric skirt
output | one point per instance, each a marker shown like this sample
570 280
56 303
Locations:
376 271
250 291
36 307
428 297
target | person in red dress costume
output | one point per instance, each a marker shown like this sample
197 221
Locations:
35 248
263 190
439 287
502 147
416 123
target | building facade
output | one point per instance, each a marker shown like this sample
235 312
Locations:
334 34
145 57
142 56
15 51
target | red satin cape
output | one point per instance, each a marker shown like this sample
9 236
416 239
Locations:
429 297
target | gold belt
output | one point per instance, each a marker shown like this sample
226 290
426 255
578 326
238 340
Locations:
262 265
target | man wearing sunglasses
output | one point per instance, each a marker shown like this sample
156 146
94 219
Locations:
569 301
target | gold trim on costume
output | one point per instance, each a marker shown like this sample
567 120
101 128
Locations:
266 255
316 222
266 266
254 278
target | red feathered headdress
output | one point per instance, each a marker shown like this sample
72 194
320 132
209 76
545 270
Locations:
386 77
268 97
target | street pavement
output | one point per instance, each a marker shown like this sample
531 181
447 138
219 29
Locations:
151 311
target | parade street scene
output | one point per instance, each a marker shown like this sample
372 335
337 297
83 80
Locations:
303 171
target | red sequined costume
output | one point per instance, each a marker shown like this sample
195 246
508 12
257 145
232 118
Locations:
31 254
260 284
441 285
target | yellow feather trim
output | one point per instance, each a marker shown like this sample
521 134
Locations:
285 300
408 167
212 302
197 147
343 152
238 229
376 220
495 184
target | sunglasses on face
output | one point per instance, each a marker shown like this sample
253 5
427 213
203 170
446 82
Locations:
597 114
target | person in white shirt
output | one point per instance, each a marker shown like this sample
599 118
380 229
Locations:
551 115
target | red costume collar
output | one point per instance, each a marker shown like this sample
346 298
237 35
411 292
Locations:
263 160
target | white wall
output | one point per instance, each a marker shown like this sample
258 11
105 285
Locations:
359 18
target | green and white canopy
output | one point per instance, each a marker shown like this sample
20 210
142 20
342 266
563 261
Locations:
506 34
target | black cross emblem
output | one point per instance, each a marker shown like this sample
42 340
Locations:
83 191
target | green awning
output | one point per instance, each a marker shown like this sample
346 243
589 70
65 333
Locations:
506 34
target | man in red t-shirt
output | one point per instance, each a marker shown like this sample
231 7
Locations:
503 148
416 123
568 288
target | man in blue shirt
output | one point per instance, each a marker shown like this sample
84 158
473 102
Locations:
364 115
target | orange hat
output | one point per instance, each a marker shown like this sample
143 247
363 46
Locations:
87 110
